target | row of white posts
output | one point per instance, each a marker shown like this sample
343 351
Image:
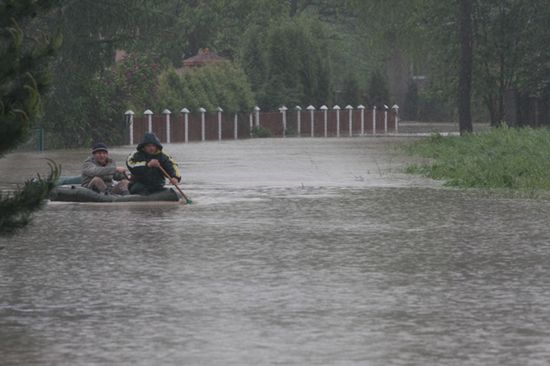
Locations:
337 108
254 120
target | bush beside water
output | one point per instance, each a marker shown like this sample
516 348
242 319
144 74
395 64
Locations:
261 132
503 158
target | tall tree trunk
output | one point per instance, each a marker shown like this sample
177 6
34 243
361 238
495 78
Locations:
465 69
293 8
490 102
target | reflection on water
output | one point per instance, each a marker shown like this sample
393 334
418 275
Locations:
318 268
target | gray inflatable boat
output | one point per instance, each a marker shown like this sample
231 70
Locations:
72 193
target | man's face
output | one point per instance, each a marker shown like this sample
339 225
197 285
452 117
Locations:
101 157
150 149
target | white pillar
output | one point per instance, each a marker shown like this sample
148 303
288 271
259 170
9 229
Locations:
283 110
396 109
130 119
299 120
149 114
167 114
324 108
220 111
311 110
374 120
203 124
337 109
186 112
257 113
362 109
350 120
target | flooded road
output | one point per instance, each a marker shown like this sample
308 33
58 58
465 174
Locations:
296 252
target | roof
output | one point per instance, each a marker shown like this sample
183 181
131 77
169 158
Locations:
205 56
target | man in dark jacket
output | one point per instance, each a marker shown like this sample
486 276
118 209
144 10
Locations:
99 172
144 165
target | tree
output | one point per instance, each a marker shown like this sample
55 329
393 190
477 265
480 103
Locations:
410 108
508 54
466 61
23 78
378 92
351 91
224 85
291 64
91 31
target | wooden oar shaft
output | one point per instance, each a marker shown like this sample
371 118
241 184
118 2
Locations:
175 185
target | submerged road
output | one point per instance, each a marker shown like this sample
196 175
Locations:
296 252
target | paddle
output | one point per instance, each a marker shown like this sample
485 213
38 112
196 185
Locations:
187 200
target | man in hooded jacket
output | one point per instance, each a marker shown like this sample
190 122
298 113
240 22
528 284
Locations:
144 165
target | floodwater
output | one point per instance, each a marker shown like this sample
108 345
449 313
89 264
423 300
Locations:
296 252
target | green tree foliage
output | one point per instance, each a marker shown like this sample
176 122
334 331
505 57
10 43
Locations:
92 31
23 78
378 92
224 85
16 208
296 51
351 91
24 73
410 109
288 63
509 38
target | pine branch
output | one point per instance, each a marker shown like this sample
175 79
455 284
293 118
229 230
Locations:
16 208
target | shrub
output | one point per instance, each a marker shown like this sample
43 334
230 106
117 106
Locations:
288 63
517 159
261 132
224 85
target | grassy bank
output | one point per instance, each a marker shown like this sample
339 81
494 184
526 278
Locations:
503 158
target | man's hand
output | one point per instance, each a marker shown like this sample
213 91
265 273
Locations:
121 169
153 164
174 181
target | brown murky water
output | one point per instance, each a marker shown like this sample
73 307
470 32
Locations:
296 252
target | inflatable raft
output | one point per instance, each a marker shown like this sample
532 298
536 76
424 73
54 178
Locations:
81 194
69 190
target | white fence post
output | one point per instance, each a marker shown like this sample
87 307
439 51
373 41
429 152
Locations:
203 123
220 110
374 120
149 114
167 114
130 120
311 110
257 113
236 127
299 120
337 109
186 112
350 121
386 108
283 110
396 109
362 109
324 108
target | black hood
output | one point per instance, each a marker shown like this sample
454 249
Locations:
149 138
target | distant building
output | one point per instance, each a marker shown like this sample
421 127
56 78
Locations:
120 55
203 58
